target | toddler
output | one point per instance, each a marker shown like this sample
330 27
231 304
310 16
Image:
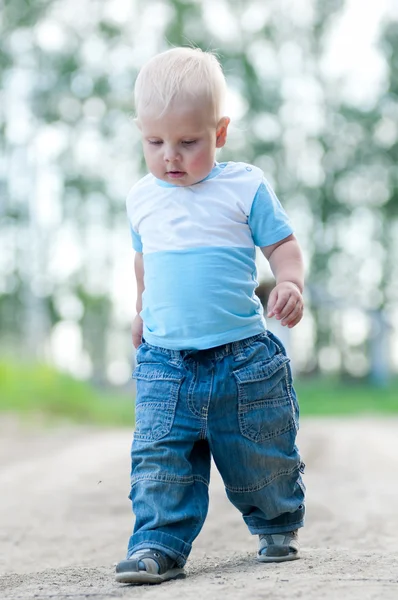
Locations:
212 382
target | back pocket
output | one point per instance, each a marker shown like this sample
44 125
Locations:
158 388
265 403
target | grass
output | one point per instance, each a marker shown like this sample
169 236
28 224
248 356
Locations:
328 397
38 389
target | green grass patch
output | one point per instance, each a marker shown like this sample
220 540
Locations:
41 390
328 397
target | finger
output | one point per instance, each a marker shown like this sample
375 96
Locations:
295 322
283 298
289 307
295 317
272 300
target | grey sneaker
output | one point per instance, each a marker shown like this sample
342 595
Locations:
148 566
278 547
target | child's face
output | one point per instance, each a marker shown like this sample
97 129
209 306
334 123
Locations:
180 146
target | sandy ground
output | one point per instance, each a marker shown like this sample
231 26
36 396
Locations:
65 519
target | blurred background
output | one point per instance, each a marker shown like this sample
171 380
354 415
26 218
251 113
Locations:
313 101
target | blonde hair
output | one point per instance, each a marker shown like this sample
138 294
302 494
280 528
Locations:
180 73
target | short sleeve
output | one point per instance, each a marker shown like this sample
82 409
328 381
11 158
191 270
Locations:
268 221
136 239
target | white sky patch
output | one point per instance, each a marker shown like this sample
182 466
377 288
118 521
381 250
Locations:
66 254
394 339
148 37
67 349
353 59
118 372
236 106
119 11
49 142
256 16
47 202
301 11
221 21
51 36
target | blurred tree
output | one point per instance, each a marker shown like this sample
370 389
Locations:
354 258
69 156
61 123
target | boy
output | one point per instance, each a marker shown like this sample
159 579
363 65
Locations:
211 381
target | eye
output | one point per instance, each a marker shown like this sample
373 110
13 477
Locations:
155 142
189 142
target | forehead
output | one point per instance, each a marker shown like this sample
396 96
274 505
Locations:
180 118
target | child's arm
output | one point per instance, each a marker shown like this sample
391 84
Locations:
137 322
285 302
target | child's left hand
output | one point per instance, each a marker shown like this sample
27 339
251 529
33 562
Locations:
285 303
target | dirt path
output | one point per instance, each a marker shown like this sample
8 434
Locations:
65 519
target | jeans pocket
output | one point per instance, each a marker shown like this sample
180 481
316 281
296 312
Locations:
158 387
265 404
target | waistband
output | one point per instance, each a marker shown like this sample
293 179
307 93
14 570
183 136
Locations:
235 348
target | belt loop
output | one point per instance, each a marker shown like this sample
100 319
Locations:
238 350
175 357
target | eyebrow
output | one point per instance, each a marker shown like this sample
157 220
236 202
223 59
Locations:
190 135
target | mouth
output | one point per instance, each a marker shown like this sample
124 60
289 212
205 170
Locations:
175 174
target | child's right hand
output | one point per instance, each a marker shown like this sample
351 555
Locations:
136 331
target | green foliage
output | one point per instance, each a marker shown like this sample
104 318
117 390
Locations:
332 397
22 13
348 148
109 30
38 389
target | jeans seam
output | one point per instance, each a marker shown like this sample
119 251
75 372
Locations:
262 484
264 437
191 388
170 479
289 391
245 407
205 413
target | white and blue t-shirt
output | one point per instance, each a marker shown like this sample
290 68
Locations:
198 244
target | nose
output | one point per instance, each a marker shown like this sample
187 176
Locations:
170 153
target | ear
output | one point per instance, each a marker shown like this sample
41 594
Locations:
137 123
222 129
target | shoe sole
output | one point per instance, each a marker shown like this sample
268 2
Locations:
142 577
269 559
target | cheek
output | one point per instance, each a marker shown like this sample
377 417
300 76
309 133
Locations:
201 158
151 158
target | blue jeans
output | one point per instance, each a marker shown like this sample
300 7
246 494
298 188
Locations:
235 403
